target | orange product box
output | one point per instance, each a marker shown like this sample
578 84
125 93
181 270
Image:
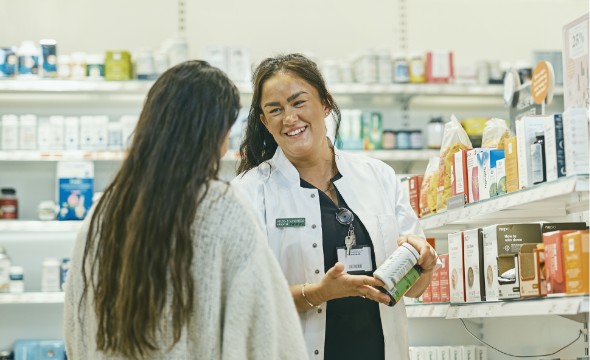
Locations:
435 284
532 282
444 278
459 179
575 258
511 157
554 273
415 183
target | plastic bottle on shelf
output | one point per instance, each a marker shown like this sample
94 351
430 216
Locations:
434 132
50 275
400 69
17 280
4 271
8 204
417 69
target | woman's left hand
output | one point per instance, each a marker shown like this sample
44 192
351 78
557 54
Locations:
428 255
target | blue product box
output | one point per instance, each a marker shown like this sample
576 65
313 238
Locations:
39 350
49 57
75 188
7 62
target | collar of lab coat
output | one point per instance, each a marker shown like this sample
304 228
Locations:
290 173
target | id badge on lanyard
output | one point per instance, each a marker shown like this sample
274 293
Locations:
356 260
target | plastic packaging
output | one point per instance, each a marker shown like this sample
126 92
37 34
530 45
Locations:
494 134
538 158
434 133
4 271
399 272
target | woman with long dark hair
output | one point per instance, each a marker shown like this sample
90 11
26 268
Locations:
331 217
170 262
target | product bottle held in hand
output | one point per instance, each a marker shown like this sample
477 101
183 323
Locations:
399 272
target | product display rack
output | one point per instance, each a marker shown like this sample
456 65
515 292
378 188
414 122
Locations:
556 200
27 95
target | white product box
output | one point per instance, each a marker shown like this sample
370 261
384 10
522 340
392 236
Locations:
473 255
420 353
28 132
238 64
101 125
44 133
473 175
525 136
56 142
483 166
128 124
87 133
9 132
412 350
216 56
554 147
444 352
115 135
469 352
72 133
575 133
456 273
456 353
490 262
481 353
431 353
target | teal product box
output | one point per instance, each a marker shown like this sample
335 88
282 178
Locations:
39 350
7 62
75 188
28 65
49 58
373 131
351 130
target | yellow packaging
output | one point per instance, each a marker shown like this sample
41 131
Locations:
117 65
511 164
575 262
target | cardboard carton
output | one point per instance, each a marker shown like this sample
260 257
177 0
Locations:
575 256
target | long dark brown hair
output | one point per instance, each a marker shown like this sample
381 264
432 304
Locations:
258 144
140 241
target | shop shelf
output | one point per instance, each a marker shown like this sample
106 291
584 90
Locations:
383 155
32 298
32 226
553 200
58 155
568 306
138 87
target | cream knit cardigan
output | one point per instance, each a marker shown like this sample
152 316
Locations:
243 307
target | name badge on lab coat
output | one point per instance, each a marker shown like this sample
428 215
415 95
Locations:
359 260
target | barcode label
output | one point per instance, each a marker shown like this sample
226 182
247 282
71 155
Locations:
355 266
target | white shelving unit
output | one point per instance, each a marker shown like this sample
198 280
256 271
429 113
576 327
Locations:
553 200
32 298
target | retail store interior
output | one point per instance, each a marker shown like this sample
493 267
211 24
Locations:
402 68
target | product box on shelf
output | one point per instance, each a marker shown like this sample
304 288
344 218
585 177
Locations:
27 132
372 131
575 62
351 130
554 147
456 353
414 185
501 176
56 141
530 269
510 152
469 352
435 286
9 132
473 175
575 257
483 170
474 268
553 253
44 133
492 175
490 263
443 353
48 58
439 67
72 132
459 179
456 267
427 295
128 123
525 135
445 295
75 188
117 65
575 135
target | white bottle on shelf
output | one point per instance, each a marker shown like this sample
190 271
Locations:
4 271
50 275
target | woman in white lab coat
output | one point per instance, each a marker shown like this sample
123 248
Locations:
318 205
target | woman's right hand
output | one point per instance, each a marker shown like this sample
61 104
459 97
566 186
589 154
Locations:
338 284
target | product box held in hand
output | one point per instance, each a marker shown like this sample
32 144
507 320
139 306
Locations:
75 187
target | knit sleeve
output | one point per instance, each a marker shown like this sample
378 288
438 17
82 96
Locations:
261 321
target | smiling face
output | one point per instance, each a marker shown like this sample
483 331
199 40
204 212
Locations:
294 114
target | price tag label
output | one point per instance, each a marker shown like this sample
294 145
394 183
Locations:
578 41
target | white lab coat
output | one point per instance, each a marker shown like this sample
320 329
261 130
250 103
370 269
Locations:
373 193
